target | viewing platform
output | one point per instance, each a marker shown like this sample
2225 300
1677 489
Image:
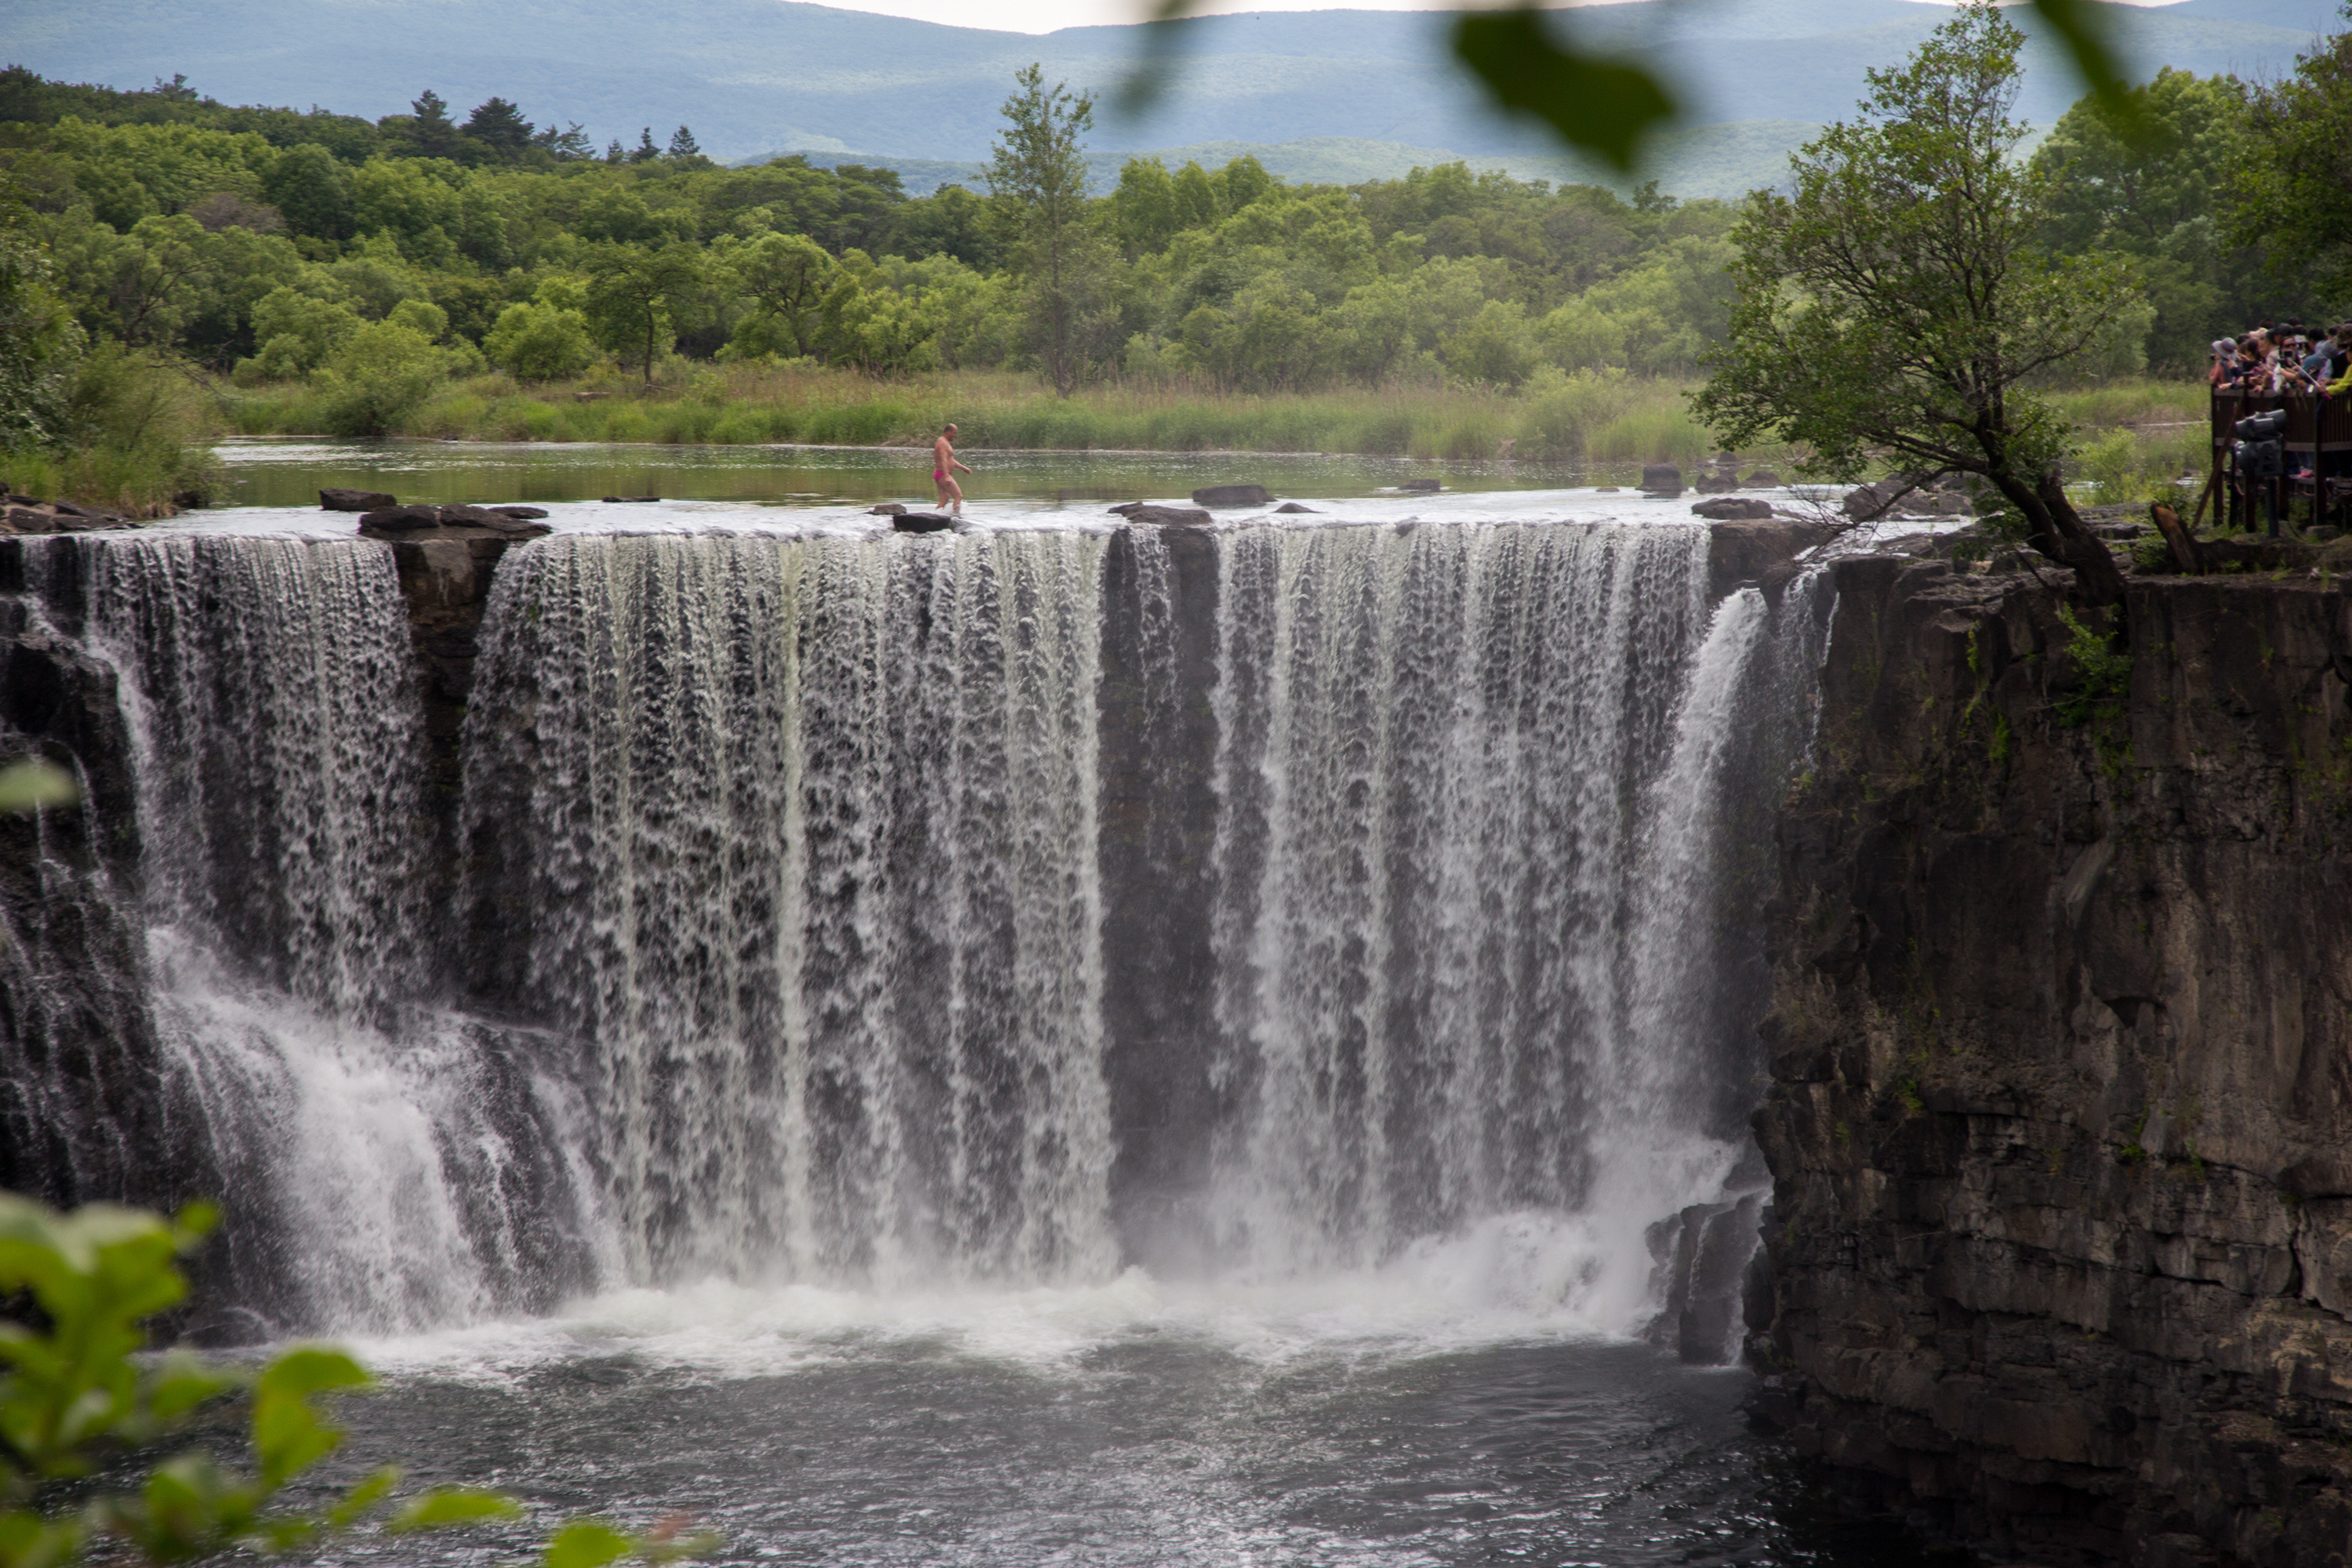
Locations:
2313 460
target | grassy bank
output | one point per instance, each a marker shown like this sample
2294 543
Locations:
2154 428
1604 419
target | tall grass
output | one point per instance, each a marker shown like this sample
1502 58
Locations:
1604 420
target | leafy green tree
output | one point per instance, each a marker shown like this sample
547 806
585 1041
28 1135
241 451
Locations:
541 342
1038 167
2145 180
381 377
39 345
297 333
2292 191
1898 304
311 187
632 295
786 277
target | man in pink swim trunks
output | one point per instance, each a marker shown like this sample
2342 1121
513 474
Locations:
943 467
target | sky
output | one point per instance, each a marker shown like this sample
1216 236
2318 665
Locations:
1049 15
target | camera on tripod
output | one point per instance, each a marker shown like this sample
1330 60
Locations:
2261 450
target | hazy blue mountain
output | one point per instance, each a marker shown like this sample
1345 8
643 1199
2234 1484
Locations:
775 74
1726 160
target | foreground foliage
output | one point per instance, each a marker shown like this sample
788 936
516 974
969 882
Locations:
83 1411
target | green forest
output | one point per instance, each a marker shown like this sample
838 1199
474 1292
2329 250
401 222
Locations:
169 265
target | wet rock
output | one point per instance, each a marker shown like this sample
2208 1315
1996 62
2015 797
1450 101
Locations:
1731 508
1231 495
1144 511
25 515
1742 550
2070 1254
1762 480
392 519
355 501
887 509
630 500
921 522
1717 484
1294 509
1661 479
419 521
1419 486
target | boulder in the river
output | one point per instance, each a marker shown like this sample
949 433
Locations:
1231 495
333 499
1293 507
921 522
1730 508
887 509
1661 479
418 522
394 519
23 514
1151 511
627 498
1420 487
1762 480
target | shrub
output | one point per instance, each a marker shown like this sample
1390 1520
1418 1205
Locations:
381 377
541 342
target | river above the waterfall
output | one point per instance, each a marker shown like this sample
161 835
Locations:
274 486
1396 1418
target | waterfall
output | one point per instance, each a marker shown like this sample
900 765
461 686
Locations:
1437 745
997 907
381 1167
804 835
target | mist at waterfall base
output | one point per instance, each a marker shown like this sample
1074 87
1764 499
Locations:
1106 1047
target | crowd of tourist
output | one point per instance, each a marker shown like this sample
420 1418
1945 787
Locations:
2285 357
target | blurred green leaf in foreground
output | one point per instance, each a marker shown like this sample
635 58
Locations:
1530 62
32 784
80 1392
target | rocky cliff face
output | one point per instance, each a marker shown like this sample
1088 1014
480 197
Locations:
2060 1118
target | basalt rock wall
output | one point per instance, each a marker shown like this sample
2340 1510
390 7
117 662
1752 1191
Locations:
2060 1118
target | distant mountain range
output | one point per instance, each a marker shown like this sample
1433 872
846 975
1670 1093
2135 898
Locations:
1316 94
1725 160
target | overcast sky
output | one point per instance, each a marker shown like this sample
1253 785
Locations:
1046 16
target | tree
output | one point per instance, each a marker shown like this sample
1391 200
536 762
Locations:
646 152
381 375
429 129
2146 182
1898 303
312 190
2292 193
682 144
499 129
787 276
39 345
631 293
569 145
1038 167
539 343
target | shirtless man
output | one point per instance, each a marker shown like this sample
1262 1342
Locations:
943 467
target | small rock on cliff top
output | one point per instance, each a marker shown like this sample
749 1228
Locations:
355 501
453 522
1231 495
23 514
1144 511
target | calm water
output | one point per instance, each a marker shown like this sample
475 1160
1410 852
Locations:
1467 1405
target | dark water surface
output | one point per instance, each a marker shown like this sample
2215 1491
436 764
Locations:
1100 1428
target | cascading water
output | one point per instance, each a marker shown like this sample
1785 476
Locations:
990 908
383 1166
1467 778
806 834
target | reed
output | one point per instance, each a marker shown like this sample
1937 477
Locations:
1601 420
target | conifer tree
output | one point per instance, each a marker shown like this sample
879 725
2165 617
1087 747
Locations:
682 145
